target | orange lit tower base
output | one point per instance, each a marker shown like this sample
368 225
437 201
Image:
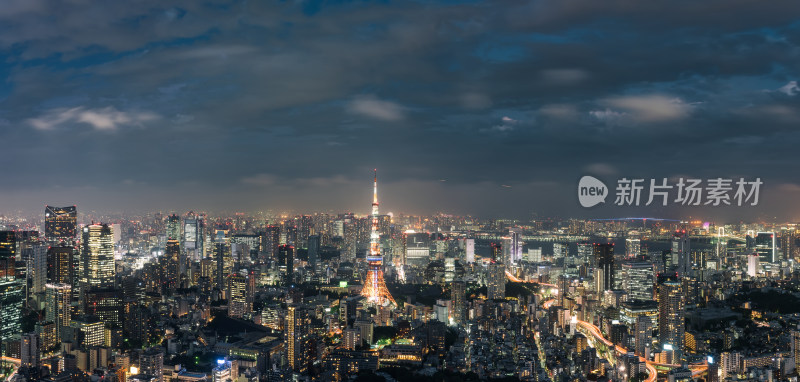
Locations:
375 289
374 286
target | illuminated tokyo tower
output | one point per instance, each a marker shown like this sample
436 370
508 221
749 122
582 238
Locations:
374 286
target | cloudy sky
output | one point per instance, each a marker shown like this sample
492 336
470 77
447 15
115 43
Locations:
486 108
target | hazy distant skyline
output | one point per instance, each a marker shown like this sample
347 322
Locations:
493 109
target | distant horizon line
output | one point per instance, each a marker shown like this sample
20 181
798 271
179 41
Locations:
224 213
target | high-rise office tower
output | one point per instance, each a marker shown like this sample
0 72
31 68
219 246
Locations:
59 265
170 264
239 299
251 290
385 224
788 244
638 278
152 276
351 337
60 224
208 268
697 259
106 305
515 250
91 331
681 253
34 254
497 252
560 250
618 334
729 363
603 266
151 363
58 310
469 251
296 337
643 336
8 254
753 265
30 251
713 371
585 252
224 259
270 240
350 236
286 263
11 299
289 233
29 350
97 257
47 334
173 227
671 307
133 290
366 330
765 247
496 281
304 226
192 241
436 332
633 247
459 301
11 289
363 229
795 346
564 282
417 249
374 286
313 251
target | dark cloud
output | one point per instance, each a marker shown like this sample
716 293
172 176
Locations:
289 105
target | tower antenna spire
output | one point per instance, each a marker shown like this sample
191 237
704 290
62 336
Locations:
374 285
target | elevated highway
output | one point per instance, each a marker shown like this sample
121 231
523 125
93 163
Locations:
598 341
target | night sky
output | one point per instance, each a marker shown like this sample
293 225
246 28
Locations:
470 107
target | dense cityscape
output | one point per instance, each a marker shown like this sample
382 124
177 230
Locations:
375 297
400 191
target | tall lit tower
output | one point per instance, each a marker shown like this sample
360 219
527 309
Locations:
60 223
97 259
604 266
170 266
671 309
374 286
58 306
239 299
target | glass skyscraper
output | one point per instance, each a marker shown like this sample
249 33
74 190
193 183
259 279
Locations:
637 279
765 246
11 296
58 306
671 306
60 223
604 266
97 257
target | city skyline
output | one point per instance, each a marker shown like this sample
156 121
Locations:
570 190
326 296
674 208
466 108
